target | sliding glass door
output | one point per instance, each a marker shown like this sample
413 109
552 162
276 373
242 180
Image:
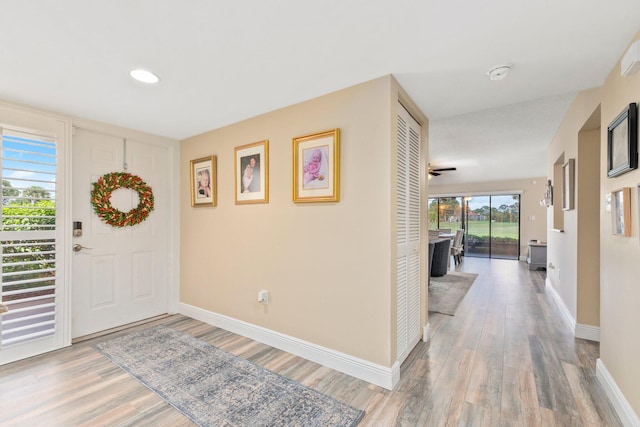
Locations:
505 226
491 223
492 226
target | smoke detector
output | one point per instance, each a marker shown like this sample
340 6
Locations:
499 72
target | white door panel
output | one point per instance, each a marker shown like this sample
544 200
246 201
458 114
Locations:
122 276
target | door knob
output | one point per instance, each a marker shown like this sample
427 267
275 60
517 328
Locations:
78 247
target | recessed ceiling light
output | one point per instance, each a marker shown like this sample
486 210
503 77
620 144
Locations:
499 72
144 76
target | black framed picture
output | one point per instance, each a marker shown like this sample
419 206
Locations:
622 142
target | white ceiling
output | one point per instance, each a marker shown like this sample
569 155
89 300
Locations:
222 62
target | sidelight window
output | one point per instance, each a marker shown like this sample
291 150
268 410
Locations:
27 236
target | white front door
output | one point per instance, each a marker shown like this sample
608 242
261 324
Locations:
121 274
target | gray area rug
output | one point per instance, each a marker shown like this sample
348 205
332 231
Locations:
215 388
446 292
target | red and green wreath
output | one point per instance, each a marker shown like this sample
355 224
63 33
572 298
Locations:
101 199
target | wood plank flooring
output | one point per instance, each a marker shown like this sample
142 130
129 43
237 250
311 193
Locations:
504 359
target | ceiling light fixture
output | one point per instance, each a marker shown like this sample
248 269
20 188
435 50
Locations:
499 72
144 76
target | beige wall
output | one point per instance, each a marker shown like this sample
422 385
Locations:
562 249
587 204
620 286
532 191
327 266
611 301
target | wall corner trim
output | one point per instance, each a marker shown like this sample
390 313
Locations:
379 375
564 311
588 332
425 332
617 399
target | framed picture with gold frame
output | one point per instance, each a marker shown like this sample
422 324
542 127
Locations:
621 211
204 191
316 167
251 171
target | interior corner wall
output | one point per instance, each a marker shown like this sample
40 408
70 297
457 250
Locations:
533 217
562 246
619 288
325 265
587 203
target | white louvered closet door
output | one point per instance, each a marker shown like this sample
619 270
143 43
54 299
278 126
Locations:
408 234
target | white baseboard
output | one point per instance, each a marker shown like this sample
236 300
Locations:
579 330
425 332
371 372
588 332
617 399
564 311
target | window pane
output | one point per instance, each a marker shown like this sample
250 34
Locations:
477 236
27 236
450 214
433 214
505 224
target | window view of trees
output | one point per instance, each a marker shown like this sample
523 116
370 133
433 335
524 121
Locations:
491 223
493 226
445 212
27 264
28 235
8 192
28 209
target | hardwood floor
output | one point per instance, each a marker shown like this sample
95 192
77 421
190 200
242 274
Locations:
504 359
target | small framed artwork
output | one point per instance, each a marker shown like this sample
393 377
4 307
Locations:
568 184
203 182
621 211
252 173
316 167
622 142
547 198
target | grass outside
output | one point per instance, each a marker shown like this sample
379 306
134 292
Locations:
481 228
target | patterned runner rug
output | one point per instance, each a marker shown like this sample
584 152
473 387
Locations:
215 388
446 292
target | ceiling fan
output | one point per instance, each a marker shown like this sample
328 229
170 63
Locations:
436 171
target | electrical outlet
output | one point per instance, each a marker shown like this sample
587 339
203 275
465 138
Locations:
263 297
